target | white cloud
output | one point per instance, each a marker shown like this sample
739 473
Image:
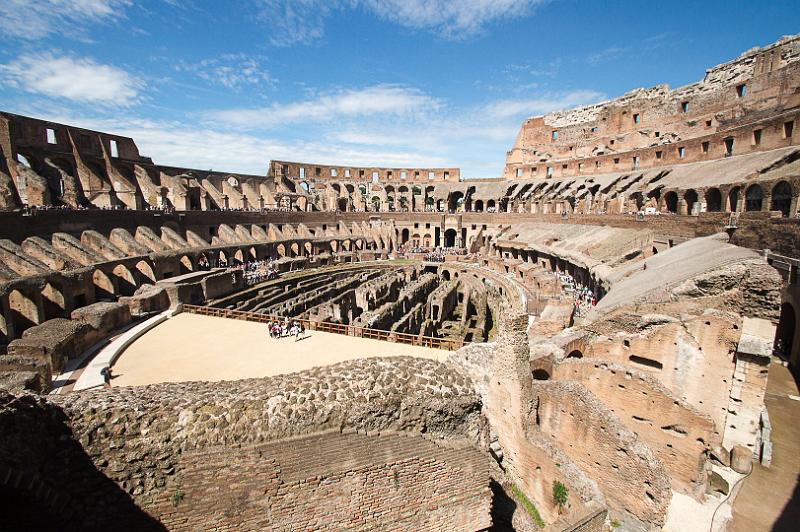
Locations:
503 109
187 145
303 21
232 71
34 19
381 100
78 79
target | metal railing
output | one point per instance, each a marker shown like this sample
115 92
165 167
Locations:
336 328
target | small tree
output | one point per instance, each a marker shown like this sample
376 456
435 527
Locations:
560 495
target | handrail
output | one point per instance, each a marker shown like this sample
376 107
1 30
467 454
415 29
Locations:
336 328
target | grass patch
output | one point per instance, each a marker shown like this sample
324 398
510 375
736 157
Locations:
528 505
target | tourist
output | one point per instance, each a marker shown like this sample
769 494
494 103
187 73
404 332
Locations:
106 373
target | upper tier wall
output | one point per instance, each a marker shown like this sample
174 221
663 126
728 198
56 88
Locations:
746 102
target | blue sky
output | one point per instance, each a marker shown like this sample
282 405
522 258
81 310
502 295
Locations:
231 84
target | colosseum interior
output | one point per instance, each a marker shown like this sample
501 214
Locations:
609 319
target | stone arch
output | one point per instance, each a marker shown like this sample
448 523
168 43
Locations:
186 264
341 204
404 235
733 198
478 206
294 249
446 275
103 286
53 302
222 259
541 375
713 199
126 282
455 200
252 253
781 198
146 269
690 197
416 240
280 249
239 256
24 312
450 236
334 246
490 204
346 244
309 249
754 198
575 353
671 201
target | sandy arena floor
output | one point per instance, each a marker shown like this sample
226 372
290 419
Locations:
190 347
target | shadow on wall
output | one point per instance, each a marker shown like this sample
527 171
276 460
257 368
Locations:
790 515
48 482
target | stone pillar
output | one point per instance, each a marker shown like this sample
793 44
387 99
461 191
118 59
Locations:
683 207
261 202
766 203
793 207
511 365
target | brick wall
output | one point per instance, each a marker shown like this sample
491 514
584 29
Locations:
328 482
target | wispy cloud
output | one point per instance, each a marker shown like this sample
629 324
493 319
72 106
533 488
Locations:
605 54
232 71
503 109
383 100
34 19
303 21
77 79
186 145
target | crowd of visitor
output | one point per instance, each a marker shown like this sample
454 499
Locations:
582 296
277 329
256 271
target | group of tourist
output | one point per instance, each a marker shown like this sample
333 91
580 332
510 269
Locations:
583 297
256 271
280 330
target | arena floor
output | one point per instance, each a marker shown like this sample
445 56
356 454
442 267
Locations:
190 347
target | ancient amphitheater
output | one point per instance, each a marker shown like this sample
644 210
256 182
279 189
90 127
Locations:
602 338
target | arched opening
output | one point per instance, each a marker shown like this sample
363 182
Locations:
490 205
126 283
342 204
690 197
450 238
446 275
753 198
541 375
145 269
404 236
346 245
784 334
203 263
376 203
53 304
713 200
238 256
478 206
103 287
575 353
281 250
24 313
222 259
455 201
671 201
304 186
308 248
252 254
733 199
294 249
781 198
334 246
186 265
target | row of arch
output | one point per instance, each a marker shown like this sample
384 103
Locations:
780 199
